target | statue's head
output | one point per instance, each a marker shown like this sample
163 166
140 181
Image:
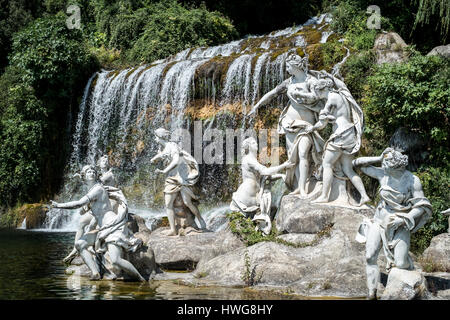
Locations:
162 134
394 159
296 63
323 86
249 145
103 162
89 173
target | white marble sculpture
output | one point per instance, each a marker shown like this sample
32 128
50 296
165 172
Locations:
402 210
182 174
108 179
253 196
299 114
346 117
110 234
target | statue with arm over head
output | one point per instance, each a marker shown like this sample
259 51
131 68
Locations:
402 210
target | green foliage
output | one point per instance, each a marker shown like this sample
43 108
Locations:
430 8
49 67
249 276
435 183
244 228
355 71
22 126
172 28
414 95
51 54
350 19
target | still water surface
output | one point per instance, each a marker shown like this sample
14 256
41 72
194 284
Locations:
31 267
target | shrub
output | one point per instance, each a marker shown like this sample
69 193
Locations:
435 183
22 126
414 95
172 28
51 55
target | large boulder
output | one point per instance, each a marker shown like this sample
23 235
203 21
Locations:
332 266
390 48
300 216
443 51
184 252
405 285
437 255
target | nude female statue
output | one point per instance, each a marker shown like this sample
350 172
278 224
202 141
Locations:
112 234
250 197
182 172
402 210
342 111
300 113
107 178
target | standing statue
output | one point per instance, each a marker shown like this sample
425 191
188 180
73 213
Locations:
402 210
111 234
298 115
87 220
253 197
346 116
182 174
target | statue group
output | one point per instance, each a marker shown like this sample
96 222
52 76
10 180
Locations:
317 170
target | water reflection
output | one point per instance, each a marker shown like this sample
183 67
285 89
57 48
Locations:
31 267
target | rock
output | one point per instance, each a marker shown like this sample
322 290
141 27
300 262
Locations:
218 222
443 51
184 252
298 238
389 48
405 285
143 260
334 266
437 256
438 284
301 216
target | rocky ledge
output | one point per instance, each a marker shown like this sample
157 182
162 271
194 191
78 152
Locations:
321 259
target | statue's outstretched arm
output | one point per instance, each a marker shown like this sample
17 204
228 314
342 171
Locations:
269 96
156 157
269 171
72 204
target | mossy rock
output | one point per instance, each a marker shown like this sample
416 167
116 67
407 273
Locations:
34 213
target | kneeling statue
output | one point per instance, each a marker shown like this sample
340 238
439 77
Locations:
402 210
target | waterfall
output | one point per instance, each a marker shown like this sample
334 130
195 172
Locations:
120 109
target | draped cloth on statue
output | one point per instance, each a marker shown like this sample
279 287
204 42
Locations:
118 232
344 138
394 204
347 139
185 175
297 126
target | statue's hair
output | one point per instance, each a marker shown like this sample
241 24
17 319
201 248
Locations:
398 159
162 133
322 84
86 168
246 144
297 61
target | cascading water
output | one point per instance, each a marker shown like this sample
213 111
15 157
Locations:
121 109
